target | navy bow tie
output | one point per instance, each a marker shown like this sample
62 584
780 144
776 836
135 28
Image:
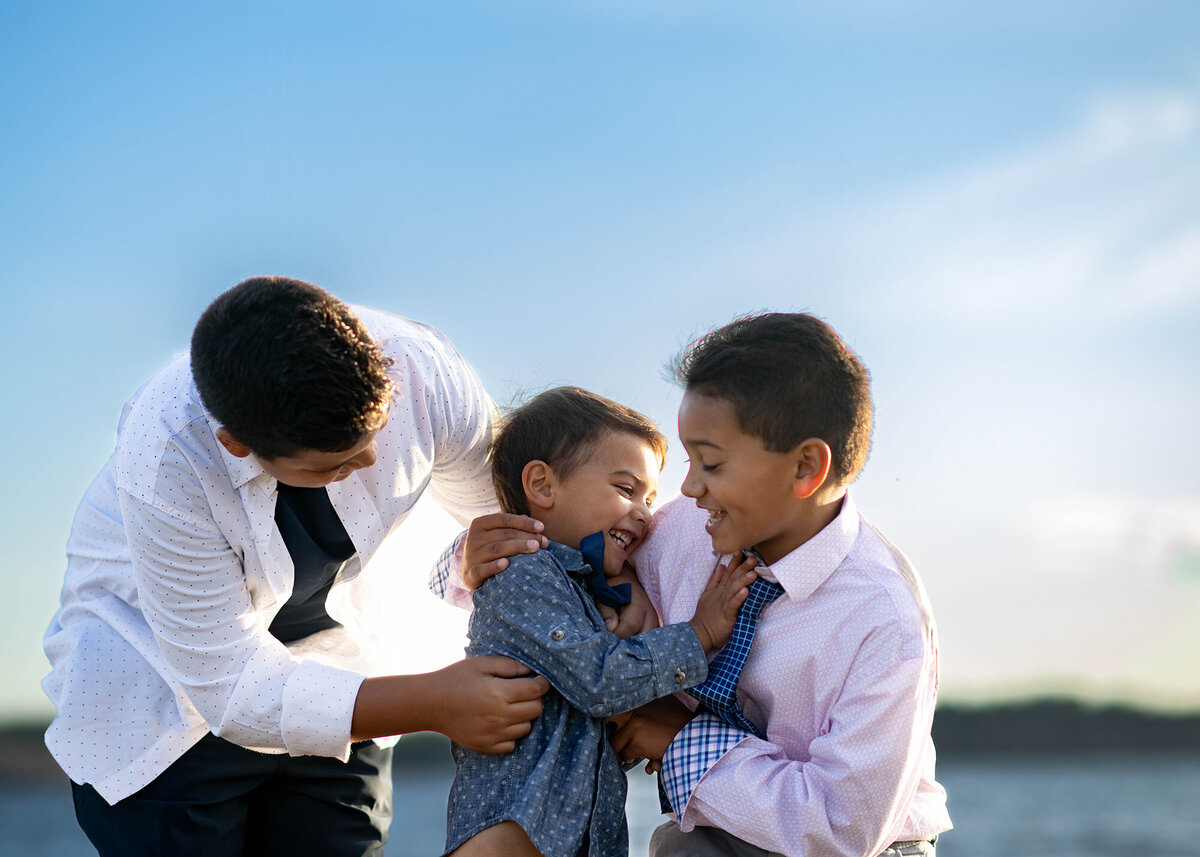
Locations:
592 548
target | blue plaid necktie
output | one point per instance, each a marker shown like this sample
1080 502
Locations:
718 692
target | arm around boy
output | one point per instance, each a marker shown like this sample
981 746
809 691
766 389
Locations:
213 648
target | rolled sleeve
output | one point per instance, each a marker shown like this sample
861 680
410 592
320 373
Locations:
446 579
316 718
243 681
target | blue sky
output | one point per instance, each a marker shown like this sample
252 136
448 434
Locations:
998 208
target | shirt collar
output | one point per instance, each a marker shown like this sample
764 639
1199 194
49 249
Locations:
571 558
811 564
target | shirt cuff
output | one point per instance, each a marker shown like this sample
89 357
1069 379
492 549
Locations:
318 709
446 579
696 748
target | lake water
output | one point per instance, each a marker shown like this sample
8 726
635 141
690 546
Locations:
1104 805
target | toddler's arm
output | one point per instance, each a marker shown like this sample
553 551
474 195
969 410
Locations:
535 614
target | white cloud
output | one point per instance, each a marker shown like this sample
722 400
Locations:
1094 223
1139 539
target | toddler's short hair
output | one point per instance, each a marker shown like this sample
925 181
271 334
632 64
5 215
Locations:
561 427
787 377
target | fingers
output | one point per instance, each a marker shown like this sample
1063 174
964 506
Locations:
482 558
743 564
491 539
716 578
527 691
739 564
499 666
620 741
498 544
636 619
506 521
520 683
619 720
504 741
487 531
610 616
743 574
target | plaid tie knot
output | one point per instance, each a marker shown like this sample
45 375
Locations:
718 692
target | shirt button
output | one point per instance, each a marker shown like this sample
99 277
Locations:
557 634
680 675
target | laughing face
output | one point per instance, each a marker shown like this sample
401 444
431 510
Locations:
610 493
747 489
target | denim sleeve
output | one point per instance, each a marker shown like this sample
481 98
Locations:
534 613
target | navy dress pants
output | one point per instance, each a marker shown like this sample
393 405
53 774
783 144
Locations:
222 800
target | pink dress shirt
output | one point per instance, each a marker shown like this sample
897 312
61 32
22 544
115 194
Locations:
842 677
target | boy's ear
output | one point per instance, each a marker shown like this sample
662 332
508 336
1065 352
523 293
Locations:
537 478
813 459
236 449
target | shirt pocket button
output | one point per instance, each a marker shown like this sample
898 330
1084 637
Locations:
557 635
680 675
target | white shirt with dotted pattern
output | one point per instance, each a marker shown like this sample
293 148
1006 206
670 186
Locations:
176 569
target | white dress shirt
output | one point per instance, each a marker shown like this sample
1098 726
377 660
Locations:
176 569
842 676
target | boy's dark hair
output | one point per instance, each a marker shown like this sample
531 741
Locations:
561 427
787 377
285 366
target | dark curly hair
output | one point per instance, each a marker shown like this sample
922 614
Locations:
285 366
787 377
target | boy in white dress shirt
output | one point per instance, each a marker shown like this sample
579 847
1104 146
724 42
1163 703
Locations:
215 663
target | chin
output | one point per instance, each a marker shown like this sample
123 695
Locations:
721 547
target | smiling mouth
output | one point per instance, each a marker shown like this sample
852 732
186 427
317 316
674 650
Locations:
715 516
623 539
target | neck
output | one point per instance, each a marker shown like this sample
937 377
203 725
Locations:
820 511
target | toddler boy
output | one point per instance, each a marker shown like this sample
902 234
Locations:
587 468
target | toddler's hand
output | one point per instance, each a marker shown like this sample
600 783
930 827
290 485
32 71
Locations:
717 609
635 617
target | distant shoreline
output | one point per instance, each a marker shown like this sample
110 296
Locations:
1061 725
1038 726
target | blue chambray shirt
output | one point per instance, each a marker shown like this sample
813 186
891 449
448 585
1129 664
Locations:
563 783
